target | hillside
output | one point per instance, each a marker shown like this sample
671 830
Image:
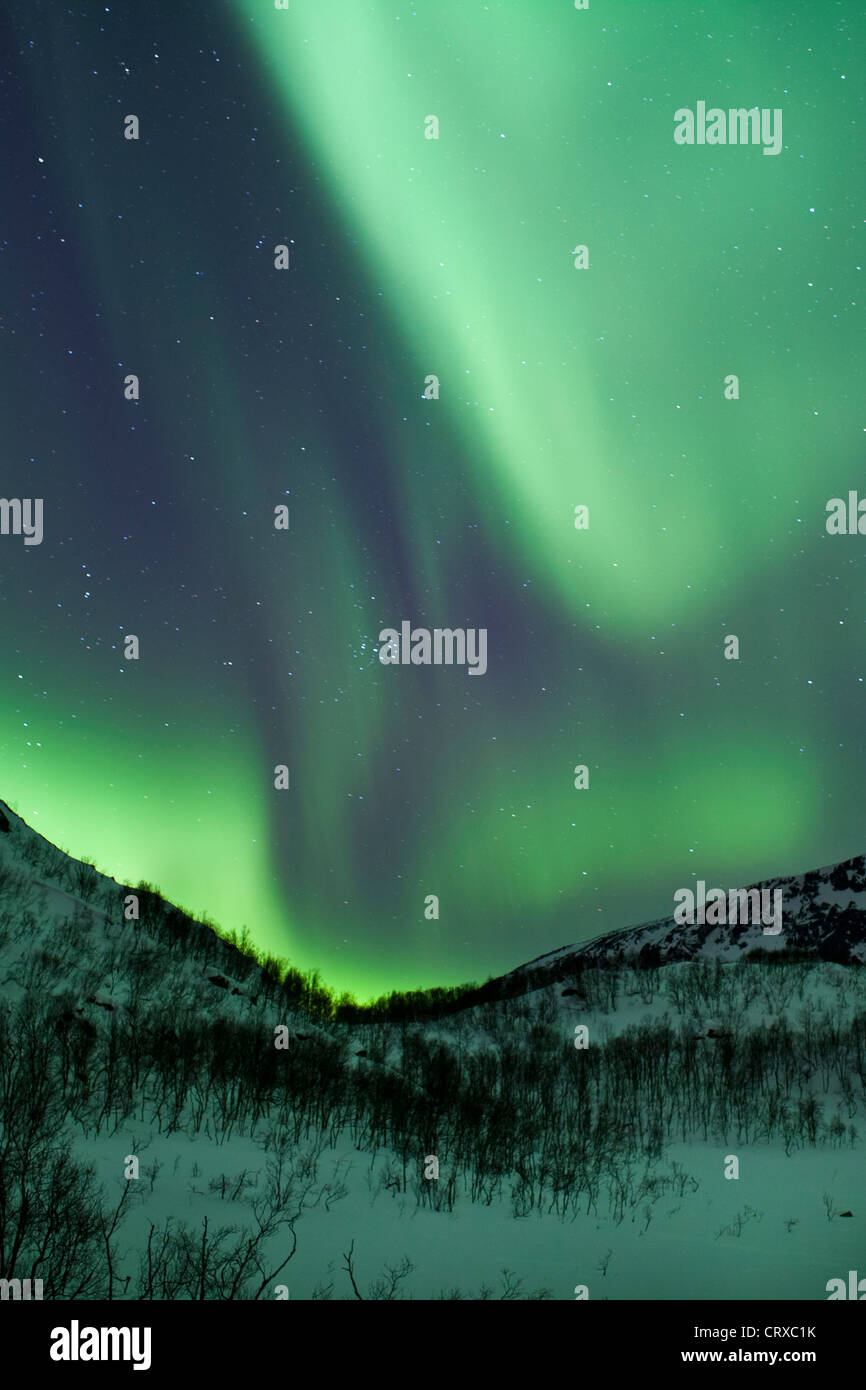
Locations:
179 1120
824 916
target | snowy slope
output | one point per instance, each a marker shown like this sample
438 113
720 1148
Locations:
823 913
638 1217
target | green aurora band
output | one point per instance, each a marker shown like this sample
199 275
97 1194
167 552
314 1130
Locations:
558 387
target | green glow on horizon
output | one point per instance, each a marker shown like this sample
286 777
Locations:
558 387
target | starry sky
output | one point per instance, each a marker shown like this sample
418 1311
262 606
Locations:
602 387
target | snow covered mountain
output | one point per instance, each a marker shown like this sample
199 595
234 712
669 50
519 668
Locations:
180 1120
823 915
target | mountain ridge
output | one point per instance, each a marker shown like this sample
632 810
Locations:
824 914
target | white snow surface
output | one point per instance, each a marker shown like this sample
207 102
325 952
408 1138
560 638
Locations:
677 1246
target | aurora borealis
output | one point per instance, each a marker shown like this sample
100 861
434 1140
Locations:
559 387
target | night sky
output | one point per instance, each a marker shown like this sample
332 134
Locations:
602 387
